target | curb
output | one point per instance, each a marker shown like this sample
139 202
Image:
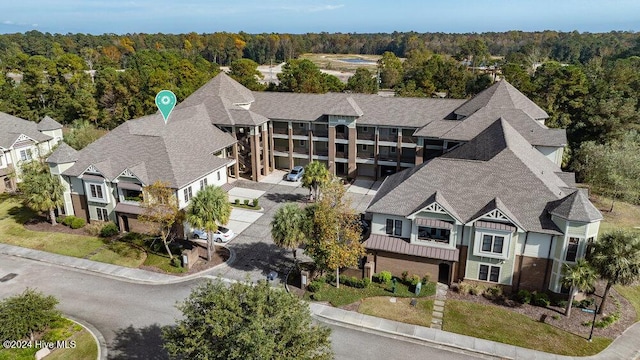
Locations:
97 336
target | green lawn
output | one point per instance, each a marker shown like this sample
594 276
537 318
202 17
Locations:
401 310
86 347
120 253
632 294
624 215
347 295
12 217
492 323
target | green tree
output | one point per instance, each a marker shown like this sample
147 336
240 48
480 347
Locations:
245 71
331 83
241 321
333 236
579 277
315 176
161 211
206 210
612 169
287 227
301 76
42 191
391 71
616 258
81 134
26 314
363 82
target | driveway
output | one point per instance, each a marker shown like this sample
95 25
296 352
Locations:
255 253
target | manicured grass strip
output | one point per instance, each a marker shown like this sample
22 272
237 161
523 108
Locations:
120 253
632 294
347 295
86 348
13 214
401 310
492 323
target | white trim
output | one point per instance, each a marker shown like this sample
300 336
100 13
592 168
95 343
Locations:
478 240
103 189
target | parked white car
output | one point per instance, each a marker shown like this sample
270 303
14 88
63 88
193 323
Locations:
222 235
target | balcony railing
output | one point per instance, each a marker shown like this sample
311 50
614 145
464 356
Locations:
408 158
300 131
280 130
300 150
342 135
388 157
365 155
388 137
409 140
321 151
369 135
341 154
321 132
283 148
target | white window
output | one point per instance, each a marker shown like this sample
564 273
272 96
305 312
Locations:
394 227
96 192
103 215
188 194
433 234
493 244
203 183
25 154
489 273
572 249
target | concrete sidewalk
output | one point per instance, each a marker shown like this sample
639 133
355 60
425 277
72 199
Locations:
626 346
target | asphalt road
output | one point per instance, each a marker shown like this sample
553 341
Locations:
130 315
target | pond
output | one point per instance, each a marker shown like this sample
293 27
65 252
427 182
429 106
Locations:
359 61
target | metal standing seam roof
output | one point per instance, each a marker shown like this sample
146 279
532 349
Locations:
402 246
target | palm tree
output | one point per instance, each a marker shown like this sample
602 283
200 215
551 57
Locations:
206 210
315 175
42 191
287 227
616 257
579 277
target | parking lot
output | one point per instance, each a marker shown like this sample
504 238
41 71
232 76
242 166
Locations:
255 254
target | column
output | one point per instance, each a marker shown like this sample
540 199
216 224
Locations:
271 146
353 152
265 150
236 166
419 152
399 149
332 149
290 129
310 145
376 151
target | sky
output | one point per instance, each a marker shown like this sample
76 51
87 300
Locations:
302 16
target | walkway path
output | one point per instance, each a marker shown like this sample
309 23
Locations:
438 306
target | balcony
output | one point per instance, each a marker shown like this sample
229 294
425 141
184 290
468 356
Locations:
388 136
321 151
320 131
300 131
342 154
388 157
408 158
365 155
281 130
282 148
370 134
301 150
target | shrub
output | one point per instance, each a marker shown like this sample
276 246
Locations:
405 275
366 282
237 201
476 289
93 229
314 286
524 296
255 203
493 293
385 277
540 299
68 219
176 262
464 288
414 280
425 279
246 202
586 303
77 223
562 303
109 229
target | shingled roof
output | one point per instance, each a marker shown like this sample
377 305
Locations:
498 169
179 152
501 95
12 127
226 101
63 154
48 123
576 207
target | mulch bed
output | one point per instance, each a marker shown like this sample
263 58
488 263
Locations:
220 255
43 225
572 324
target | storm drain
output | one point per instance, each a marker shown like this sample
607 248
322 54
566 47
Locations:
8 277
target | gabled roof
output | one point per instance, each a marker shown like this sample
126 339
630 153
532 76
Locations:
63 154
501 95
344 106
12 127
576 207
439 199
178 152
497 169
226 101
48 123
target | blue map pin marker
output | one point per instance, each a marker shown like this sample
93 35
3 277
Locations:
165 101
